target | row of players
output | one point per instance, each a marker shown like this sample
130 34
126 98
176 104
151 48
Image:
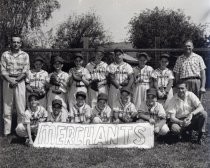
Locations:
94 78
124 112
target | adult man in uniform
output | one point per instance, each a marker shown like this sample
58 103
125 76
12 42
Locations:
14 67
190 67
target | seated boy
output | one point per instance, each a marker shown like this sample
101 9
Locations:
124 111
153 112
80 112
32 117
58 114
102 113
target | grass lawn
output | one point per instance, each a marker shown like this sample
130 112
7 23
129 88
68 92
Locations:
186 155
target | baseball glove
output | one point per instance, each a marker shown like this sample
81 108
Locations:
54 80
39 92
94 85
125 117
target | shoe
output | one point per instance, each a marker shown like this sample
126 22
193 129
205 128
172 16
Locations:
201 139
9 138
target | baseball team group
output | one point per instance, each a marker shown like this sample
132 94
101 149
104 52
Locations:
102 93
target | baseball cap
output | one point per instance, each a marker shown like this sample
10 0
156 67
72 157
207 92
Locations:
81 93
33 94
39 59
165 56
56 101
152 91
118 50
78 55
102 96
58 59
126 89
143 54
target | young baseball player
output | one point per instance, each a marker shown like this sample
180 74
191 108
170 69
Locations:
58 82
153 112
79 79
80 112
163 80
120 75
124 111
58 114
36 81
102 113
98 81
142 79
32 117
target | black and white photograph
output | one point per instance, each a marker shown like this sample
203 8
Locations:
104 83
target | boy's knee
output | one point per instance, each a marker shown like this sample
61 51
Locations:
21 130
97 120
164 130
175 128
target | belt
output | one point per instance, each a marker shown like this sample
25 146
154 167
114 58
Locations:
56 91
14 75
188 78
80 85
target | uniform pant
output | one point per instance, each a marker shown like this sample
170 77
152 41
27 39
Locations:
114 96
21 130
17 96
92 95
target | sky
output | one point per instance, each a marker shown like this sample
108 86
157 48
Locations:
116 14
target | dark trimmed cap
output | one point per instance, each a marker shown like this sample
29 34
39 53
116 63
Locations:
81 93
56 101
143 54
99 49
102 96
57 59
33 94
126 89
165 56
78 55
39 59
118 50
152 91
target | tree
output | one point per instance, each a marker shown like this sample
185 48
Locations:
70 33
167 27
19 16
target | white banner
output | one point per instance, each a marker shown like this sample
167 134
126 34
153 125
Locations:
67 135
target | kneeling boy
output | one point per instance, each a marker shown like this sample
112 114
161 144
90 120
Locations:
80 112
153 112
102 113
32 117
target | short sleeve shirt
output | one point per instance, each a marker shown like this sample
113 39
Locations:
34 117
143 75
156 112
104 114
182 108
97 72
63 79
62 117
80 114
127 108
121 71
14 63
162 76
189 66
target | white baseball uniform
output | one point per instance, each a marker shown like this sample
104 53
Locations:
163 77
121 73
53 93
97 72
14 64
38 80
142 79
101 116
77 86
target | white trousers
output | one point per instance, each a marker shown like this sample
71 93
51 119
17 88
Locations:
16 96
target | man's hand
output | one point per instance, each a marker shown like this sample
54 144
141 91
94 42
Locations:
29 88
157 130
77 76
12 83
